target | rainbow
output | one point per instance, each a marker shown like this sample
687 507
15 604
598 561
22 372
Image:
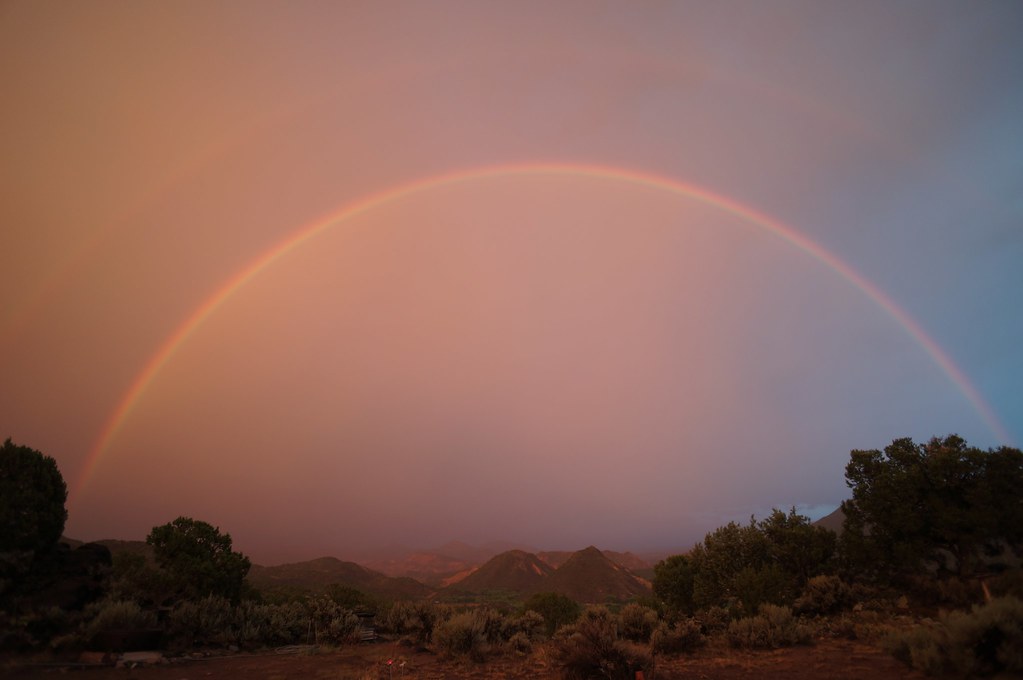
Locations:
365 204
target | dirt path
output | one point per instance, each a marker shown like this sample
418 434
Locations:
831 659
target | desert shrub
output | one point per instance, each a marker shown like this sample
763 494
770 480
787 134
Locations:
254 624
520 643
591 647
332 623
684 636
556 609
416 619
823 595
636 622
528 623
206 621
987 640
714 619
118 615
472 633
773 627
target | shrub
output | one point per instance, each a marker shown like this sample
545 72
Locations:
591 648
684 636
206 621
472 633
332 623
773 627
119 615
417 619
823 595
556 609
637 622
1009 582
714 619
984 641
528 623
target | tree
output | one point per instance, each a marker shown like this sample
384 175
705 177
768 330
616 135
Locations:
32 498
932 501
673 583
199 558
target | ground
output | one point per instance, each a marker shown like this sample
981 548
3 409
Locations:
833 659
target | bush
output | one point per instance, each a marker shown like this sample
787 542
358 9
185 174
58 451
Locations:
119 615
591 648
714 620
473 633
773 627
528 623
637 623
556 609
417 619
206 621
823 595
685 636
987 640
332 623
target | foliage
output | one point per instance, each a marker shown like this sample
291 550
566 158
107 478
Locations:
591 648
417 619
942 501
685 636
824 595
556 609
199 559
32 498
636 622
673 583
134 578
773 627
988 640
118 615
332 622
765 561
474 633
528 623
205 621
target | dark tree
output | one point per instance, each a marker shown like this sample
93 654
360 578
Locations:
32 497
556 609
673 583
199 559
943 500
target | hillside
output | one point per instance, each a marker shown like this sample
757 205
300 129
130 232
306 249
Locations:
316 575
515 570
833 521
629 560
589 576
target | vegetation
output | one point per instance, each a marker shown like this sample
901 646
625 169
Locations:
930 525
199 559
944 501
32 497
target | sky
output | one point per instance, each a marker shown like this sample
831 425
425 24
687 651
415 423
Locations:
342 276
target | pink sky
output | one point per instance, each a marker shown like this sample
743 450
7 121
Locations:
554 359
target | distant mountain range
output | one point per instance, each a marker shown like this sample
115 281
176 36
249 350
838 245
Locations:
588 575
456 569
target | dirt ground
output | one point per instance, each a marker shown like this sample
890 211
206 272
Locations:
828 658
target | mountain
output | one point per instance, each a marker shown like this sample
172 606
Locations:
833 521
589 576
316 575
630 561
431 568
515 570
